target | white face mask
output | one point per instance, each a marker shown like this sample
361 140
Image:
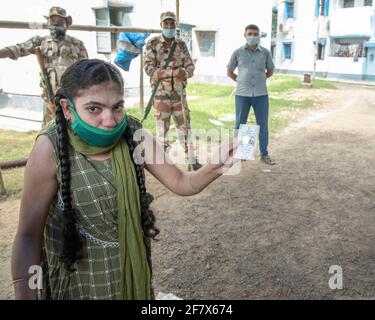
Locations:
252 40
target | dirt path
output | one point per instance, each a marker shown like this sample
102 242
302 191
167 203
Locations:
275 235
8 223
271 234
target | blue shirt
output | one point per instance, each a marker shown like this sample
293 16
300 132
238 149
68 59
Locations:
252 65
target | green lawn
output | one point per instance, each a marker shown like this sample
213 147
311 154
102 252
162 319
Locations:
14 146
210 102
215 101
13 179
281 83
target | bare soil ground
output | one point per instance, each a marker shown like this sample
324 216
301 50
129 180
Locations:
271 232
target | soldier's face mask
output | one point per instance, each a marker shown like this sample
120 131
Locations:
95 136
57 32
169 33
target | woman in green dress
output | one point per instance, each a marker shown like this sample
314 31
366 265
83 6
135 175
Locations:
85 224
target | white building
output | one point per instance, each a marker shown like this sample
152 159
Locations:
338 35
213 29
218 29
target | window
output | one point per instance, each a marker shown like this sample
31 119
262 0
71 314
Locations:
206 43
324 10
353 3
116 18
109 16
368 3
348 4
321 7
321 51
186 35
321 48
287 51
103 39
289 10
348 47
274 23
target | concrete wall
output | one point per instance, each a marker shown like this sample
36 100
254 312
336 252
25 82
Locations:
229 19
351 21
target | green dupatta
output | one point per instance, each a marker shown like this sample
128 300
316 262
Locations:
135 281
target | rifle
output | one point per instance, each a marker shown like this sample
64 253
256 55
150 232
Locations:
189 152
45 79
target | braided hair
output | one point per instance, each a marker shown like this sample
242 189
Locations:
78 77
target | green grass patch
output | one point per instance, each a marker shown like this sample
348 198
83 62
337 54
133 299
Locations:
321 84
280 84
16 145
13 181
149 123
209 90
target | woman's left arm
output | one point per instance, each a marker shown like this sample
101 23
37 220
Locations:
181 182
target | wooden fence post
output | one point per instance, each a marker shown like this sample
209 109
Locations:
141 86
2 187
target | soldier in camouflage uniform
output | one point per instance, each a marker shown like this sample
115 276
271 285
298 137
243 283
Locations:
170 98
58 50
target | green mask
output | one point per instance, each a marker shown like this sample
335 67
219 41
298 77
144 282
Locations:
96 136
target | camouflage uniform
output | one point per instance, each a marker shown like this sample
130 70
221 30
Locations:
58 56
170 97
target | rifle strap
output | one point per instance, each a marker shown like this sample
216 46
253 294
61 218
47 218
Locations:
149 104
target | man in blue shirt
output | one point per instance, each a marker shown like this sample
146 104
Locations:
254 65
